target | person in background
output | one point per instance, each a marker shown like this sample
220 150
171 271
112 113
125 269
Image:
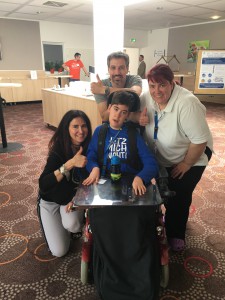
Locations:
58 183
179 133
142 67
73 66
118 67
126 254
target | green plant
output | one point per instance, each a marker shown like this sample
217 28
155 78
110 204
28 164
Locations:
49 65
58 65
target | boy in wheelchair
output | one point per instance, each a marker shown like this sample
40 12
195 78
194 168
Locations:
126 260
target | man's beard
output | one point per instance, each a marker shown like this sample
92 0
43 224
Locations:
117 79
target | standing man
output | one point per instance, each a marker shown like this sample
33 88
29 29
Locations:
118 67
142 67
73 66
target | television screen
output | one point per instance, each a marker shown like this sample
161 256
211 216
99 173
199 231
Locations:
91 69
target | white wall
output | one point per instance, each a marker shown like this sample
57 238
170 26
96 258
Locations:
72 35
134 62
157 41
141 37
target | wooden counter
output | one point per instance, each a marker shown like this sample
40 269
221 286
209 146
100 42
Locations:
31 88
189 80
57 103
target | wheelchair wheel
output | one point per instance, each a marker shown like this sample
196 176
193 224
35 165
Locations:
84 272
164 276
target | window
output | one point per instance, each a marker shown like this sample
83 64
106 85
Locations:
53 56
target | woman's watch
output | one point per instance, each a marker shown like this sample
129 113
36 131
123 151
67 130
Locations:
64 172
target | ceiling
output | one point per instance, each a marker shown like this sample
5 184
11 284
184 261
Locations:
148 15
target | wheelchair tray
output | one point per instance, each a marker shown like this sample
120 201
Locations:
120 193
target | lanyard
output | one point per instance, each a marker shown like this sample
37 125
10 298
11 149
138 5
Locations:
156 125
106 155
156 119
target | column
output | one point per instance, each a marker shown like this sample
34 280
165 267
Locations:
108 32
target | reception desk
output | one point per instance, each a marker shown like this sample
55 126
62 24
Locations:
57 102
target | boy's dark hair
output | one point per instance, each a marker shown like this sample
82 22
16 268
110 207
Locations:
128 98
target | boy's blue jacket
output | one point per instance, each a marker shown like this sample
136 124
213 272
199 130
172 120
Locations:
116 143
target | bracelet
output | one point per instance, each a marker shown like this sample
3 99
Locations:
64 172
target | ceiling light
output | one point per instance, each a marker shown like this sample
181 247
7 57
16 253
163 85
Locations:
215 17
54 3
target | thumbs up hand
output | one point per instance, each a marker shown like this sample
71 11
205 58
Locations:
79 160
98 78
98 87
144 119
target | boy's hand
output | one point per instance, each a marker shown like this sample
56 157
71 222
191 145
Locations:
93 177
138 186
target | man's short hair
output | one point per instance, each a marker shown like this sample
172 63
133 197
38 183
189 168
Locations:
128 98
117 55
77 54
142 56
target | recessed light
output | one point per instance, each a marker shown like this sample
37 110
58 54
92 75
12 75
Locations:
215 17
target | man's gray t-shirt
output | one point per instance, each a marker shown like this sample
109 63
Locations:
131 80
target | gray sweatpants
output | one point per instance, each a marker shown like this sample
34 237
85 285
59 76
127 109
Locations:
58 224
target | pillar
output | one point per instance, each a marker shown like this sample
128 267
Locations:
108 32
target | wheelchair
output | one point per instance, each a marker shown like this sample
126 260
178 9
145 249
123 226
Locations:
87 244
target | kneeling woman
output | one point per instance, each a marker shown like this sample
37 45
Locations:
64 169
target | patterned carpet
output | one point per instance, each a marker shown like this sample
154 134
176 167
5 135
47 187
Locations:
28 271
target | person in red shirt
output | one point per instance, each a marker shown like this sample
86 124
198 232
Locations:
73 66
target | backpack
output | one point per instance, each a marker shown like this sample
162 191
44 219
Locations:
133 159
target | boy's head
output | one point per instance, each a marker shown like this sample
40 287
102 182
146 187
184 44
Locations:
120 104
128 98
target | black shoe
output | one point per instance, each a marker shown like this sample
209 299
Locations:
76 235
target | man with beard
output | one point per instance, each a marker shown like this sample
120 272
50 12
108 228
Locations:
118 67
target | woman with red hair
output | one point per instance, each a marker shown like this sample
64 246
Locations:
179 133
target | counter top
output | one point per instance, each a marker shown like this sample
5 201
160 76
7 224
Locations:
70 92
9 84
